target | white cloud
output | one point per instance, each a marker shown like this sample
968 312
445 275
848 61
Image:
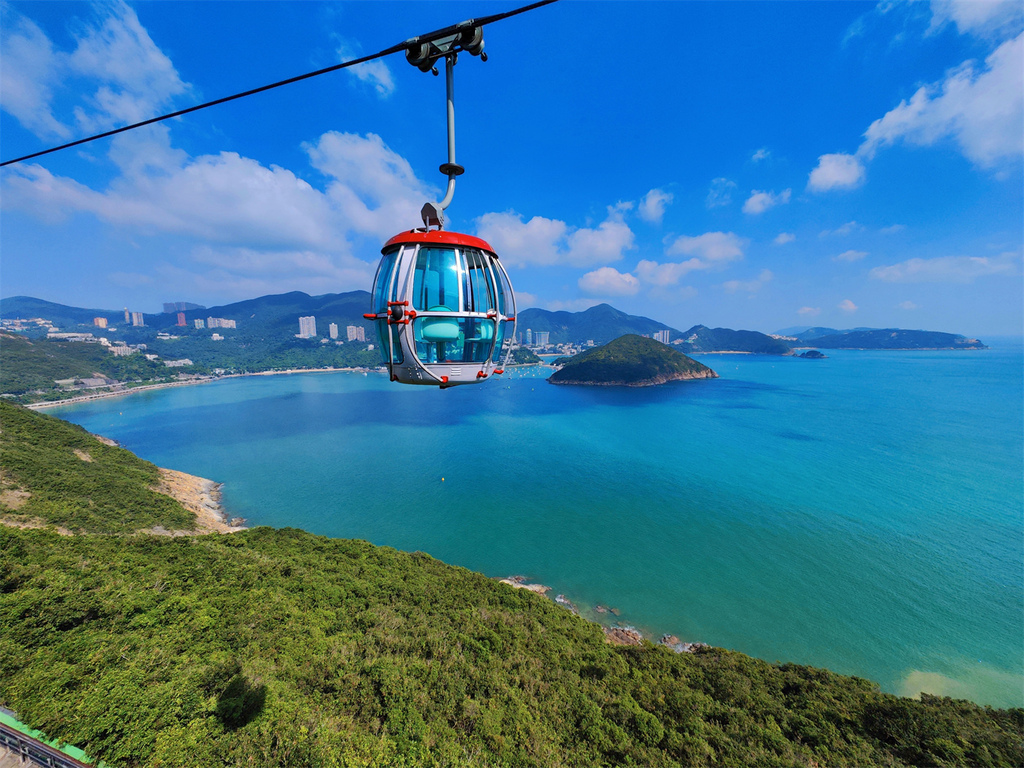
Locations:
720 193
710 248
836 171
549 241
892 229
850 256
809 311
571 305
30 70
843 230
946 269
908 305
116 69
988 18
784 237
138 79
748 286
374 73
761 154
652 206
981 111
608 281
760 201
847 306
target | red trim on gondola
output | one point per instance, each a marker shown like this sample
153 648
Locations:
438 237
370 317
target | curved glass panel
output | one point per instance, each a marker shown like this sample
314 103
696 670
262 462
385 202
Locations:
453 339
481 288
435 286
383 280
503 330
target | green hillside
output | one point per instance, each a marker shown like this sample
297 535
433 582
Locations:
56 473
281 648
896 338
700 338
35 365
630 361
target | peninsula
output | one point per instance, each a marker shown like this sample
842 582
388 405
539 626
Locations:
630 361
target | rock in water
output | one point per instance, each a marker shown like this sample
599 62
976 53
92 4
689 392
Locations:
630 361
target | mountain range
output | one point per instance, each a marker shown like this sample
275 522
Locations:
278 314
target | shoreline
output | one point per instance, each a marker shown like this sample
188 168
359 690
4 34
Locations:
42 405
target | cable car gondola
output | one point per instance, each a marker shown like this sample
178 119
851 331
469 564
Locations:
442 302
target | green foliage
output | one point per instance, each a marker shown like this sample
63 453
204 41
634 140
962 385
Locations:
628 360
896 338
77 482
600 324
700 338
524 356
277 647
27 366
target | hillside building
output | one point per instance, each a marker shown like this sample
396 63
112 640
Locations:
662 336
307 327
137 319
99 322
333 327
356 333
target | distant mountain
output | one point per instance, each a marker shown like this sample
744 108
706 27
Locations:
630 361
274 313
601 324
700 338
897 338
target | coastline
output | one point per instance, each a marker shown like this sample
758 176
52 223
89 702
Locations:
168 384
200 496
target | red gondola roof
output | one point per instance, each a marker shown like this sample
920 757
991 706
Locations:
438 237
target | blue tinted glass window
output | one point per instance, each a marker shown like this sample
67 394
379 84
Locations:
436 281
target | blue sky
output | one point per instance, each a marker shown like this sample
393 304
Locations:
750 165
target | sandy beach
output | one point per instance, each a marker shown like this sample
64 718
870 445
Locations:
197 495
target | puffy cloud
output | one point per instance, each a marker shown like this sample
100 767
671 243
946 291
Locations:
374 73
784 237
748 286
847 306
836 171
850 256
608 281
720 193
711 247
712 250
373 188
985 19
946 269
652 206
809 311
761 154
549 241
30 70
759 201
138 79
981 111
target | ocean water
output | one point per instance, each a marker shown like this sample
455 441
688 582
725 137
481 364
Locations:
863 513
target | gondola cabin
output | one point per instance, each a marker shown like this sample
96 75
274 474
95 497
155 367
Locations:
443 307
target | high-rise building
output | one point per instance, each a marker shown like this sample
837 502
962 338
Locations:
307 327
99 322
529 337
333 327
355 333
220 322
127 316
662 336
199 323
541 338
138 319
181 320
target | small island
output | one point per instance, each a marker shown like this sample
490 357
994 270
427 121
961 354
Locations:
630 361
812 354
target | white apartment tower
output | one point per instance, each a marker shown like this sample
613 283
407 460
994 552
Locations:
307 327
333 327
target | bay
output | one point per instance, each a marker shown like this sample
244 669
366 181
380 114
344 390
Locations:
863 513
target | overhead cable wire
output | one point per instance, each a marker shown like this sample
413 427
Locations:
404 45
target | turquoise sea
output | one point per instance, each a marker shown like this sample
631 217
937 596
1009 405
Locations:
863 513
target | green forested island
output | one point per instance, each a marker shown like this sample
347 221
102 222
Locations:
630 361
280 648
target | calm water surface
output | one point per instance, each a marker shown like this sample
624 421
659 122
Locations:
863 513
